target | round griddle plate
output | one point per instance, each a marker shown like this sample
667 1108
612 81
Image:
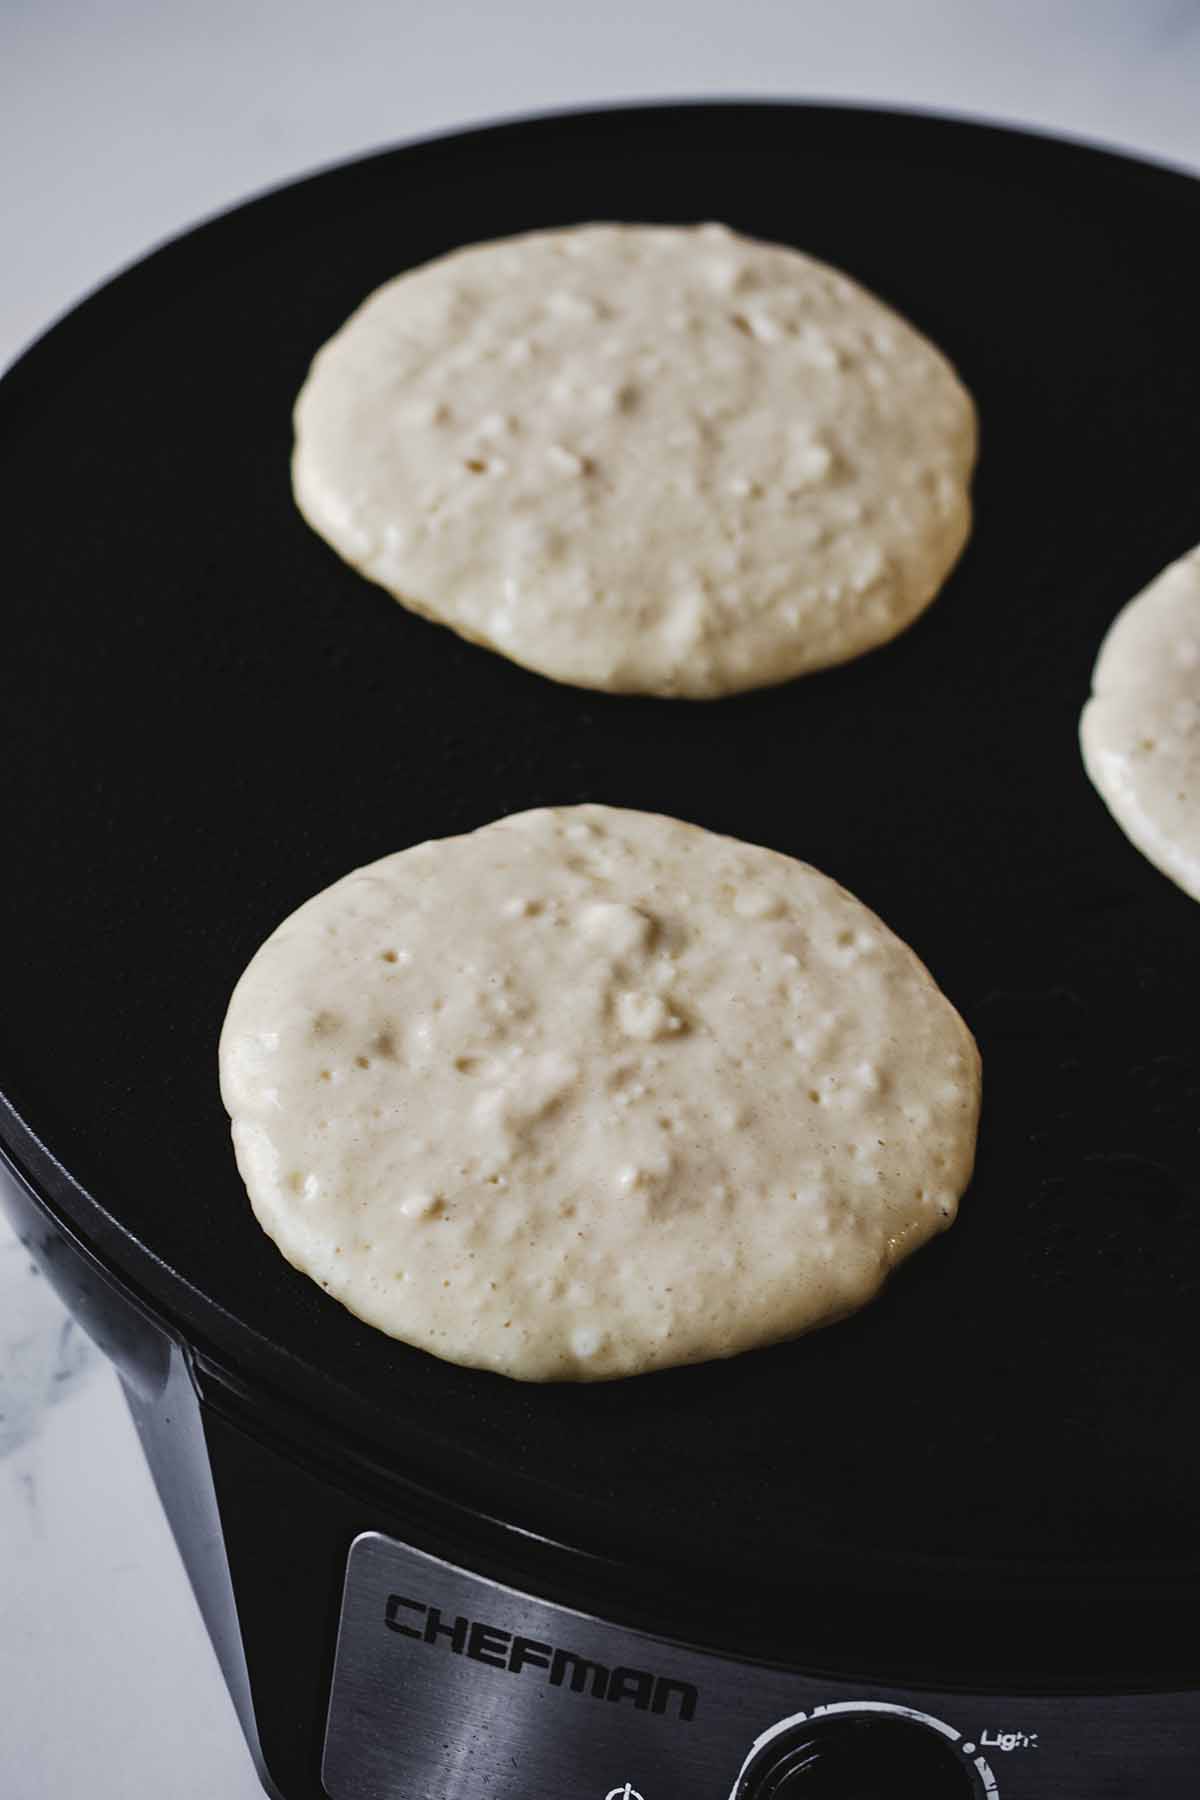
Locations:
209 717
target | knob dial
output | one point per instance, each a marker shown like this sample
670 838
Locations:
858 1756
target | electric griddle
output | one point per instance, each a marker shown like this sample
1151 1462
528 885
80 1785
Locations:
949 1548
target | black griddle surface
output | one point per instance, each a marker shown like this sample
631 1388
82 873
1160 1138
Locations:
208 718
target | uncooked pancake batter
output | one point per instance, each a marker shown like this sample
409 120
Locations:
589 1092
1140 731
644 459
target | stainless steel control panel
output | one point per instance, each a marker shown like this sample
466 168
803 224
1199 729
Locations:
449 1687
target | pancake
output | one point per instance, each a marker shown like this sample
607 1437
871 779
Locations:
642 459
589 1092
1140 731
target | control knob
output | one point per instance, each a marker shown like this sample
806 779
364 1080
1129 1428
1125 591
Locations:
857 1756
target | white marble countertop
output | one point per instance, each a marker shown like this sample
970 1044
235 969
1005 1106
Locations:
122 124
